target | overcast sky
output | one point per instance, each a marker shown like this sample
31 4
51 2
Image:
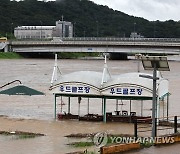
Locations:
149 9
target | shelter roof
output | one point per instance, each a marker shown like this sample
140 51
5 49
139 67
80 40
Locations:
104 84
129 79
88 77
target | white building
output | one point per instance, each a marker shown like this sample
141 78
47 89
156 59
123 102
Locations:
62 29
33 32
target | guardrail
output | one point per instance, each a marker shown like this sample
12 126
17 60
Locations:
167 123
124 43
120 39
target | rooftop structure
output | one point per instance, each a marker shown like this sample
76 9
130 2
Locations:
63 29
136 35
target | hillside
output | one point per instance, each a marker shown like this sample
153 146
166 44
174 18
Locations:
89 18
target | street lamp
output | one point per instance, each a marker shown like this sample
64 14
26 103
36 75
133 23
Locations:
84 34
41 30
12 29
74 29
134 27
154 27
63 26
154 63
97 26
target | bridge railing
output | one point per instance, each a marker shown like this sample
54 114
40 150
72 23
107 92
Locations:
121 39
110 39
98 43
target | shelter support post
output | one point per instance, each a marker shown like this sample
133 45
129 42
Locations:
61 104
116 104
158 111
104 111
167 107
157 108
79 109
130 106
141 108
55 106
102 106
154 103
88 107
135 129
69 105
163 108
79 102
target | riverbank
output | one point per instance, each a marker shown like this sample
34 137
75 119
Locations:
69 55
10 55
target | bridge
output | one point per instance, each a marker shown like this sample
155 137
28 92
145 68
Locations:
114 46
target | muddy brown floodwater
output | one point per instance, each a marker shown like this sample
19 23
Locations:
35 113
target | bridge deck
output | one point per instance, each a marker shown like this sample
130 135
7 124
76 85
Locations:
168 46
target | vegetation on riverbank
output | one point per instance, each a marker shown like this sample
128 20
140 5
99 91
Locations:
9 55
90 139
20 134
72 55
82 144
65 55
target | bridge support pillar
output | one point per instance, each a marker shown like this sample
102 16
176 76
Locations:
6 48
118 56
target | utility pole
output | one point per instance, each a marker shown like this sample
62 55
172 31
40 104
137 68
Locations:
97 30
62 19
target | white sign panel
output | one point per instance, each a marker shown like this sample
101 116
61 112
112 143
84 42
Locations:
127 91
76 89
82 89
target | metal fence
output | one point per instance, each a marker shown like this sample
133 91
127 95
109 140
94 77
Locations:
112 39
164 126
121 39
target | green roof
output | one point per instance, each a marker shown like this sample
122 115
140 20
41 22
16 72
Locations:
21 90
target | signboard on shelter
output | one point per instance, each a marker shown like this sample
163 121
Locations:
127 91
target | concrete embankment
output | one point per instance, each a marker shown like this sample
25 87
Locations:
119 148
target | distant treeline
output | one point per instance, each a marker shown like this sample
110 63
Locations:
89 19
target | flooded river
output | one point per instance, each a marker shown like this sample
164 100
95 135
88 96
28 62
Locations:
35 113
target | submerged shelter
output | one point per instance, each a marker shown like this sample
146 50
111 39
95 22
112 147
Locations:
103 85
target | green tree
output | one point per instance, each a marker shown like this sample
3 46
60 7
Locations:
89 19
